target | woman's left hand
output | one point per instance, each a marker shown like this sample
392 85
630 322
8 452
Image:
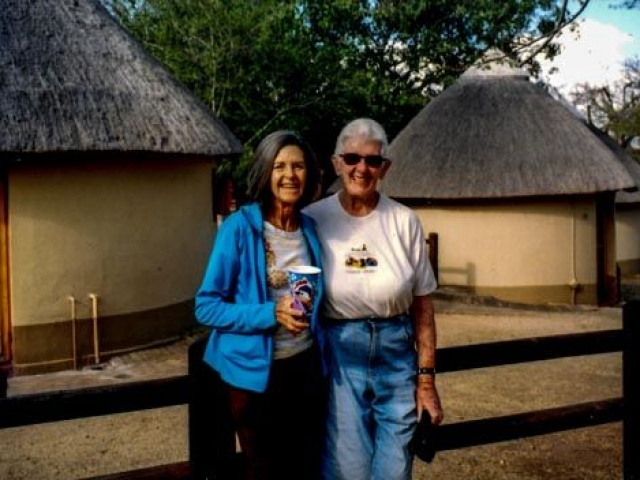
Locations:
289 317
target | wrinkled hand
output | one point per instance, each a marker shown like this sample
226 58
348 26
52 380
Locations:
427 398
291 319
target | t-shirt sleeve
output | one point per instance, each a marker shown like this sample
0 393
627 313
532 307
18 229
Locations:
425 280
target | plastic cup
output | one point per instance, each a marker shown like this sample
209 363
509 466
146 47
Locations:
303 284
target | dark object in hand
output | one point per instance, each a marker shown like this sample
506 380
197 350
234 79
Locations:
423 443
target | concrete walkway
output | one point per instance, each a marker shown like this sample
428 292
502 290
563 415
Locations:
89 447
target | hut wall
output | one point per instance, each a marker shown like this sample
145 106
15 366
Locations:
137 235
628 238
522 251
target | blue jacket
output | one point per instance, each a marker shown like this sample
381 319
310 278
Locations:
232 300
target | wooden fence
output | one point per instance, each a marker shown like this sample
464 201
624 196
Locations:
32 409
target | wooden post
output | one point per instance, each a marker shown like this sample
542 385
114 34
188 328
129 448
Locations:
432 241
4 379
631 328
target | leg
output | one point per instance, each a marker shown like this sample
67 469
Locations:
394 404
296 404
247 411
349 442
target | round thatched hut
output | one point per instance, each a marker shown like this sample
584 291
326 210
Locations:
520 192
627 217
106 166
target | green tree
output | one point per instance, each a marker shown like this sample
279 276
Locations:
312 65
629 4
615 108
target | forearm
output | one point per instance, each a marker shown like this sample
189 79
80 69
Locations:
426 341
213 311
423 312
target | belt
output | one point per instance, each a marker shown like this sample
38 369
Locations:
395 318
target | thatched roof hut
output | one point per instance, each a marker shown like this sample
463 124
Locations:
627 213
495 134
519 190
627 217
107 191
630 164
627 203
72 79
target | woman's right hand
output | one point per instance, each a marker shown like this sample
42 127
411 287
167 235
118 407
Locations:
292 319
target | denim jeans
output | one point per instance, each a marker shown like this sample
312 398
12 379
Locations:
372 409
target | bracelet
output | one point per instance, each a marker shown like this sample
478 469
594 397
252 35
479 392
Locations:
427 371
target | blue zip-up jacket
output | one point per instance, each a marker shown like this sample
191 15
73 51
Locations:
232 300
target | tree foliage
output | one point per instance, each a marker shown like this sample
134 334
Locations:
628 4
312 65
614 108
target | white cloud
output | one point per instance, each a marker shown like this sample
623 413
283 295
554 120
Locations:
593 54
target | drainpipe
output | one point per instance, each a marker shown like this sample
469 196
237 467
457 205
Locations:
573 283
72 301
94 316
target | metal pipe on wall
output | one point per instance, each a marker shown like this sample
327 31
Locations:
94 317
574 285
72 301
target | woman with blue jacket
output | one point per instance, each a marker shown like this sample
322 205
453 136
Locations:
266 351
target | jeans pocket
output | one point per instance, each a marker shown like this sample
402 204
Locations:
407 326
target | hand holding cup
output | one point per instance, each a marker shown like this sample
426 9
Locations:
303 284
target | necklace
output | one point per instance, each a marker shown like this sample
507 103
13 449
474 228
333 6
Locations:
288 225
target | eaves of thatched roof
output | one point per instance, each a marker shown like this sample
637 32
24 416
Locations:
494 134
629 197
632 166
72 79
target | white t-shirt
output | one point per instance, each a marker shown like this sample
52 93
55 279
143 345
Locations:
373 265
282 250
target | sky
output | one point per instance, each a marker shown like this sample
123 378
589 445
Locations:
595 53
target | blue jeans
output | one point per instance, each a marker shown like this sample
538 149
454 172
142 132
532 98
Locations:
372 408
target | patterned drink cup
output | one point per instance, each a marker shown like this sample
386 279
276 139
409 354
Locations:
303 282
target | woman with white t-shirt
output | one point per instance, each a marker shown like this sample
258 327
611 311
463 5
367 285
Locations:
378 316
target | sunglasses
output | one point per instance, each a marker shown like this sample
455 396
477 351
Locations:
374 161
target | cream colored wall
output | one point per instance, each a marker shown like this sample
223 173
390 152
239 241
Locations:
524 244
136 234
628 238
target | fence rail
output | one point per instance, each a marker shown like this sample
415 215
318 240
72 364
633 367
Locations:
32 409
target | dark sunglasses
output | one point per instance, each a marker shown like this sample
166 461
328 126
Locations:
374 161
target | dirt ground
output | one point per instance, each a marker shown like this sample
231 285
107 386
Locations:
79 449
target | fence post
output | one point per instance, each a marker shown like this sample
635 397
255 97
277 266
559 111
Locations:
433 252
4 381
631 329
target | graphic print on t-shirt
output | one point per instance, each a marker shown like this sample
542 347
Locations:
360 259
276 278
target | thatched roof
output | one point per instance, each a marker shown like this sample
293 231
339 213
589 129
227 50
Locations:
72 79
632 166
495 134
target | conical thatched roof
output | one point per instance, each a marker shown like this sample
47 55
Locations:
494 134
72 79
